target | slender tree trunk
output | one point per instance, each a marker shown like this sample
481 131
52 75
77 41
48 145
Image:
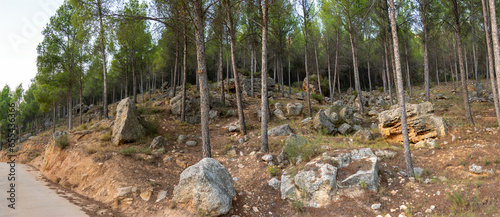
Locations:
53 121
265 103
402 109
437 73
465 93
490 62
174 84
81 103
202 74
184 75
142 88
473 44
134 81
335 75
355 66
221 72
252 69
496 49
70 110
369 75
387 68
317 70
329 71
103 56
289 75
239 100
423 7
228 76
408 78
304 5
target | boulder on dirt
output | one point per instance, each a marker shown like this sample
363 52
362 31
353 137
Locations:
24 137
158 142
279 114
358 168
345 129
126 127
422 123
363 135
283 130
294 109
274 183
322 121
346 113
293 142
191 108
315 185
206 187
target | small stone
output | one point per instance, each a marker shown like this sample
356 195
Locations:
418 171
235 179
403 207
274 183
241 140
428 211
475 169
267 158
255 209
162 195
438 193
376 206
191 143
181 138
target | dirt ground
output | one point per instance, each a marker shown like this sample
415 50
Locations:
90 166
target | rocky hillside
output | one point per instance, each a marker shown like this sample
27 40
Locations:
339 162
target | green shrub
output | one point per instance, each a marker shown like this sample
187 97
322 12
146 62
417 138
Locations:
298 205
273 170
62 142
363 184
151 127
306 151
146 110
128 151
380 89
317 97
146 150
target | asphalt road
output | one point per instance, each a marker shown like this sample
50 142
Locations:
33 197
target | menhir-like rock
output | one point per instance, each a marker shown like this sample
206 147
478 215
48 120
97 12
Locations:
422 123
126 127
205 187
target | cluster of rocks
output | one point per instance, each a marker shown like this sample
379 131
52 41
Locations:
318 181
192 111
345 122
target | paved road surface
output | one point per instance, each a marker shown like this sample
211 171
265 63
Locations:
33 196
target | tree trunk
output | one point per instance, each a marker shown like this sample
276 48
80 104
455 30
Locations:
400 95
437 73
408 78
335 75
70 110
81 103
53 120
317 70
221 72
465 93
490 62
202 75
355 66
329 71
387 69
305 59
289 75
239 100
252 69
184 75
142 87
264 103
174 84
103 56
369 75
426 52
134 81
496 49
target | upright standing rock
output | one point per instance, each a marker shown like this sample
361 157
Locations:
126 127
206 188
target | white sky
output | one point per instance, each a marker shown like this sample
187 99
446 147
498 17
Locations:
21 25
